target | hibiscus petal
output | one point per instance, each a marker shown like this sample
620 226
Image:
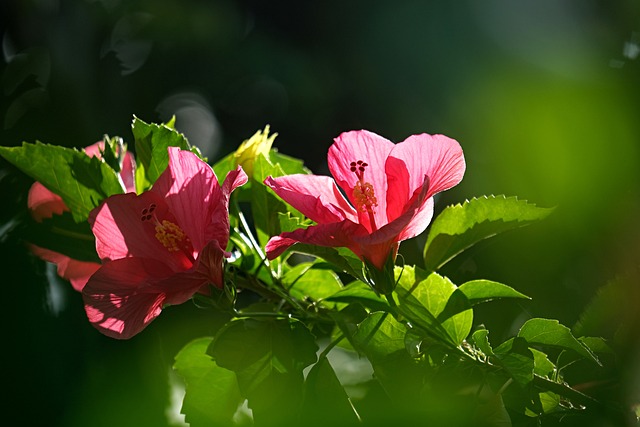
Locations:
189 186
218 227
128 173
233 180
43 203
277 245
436 156
120 231
372 149
119 298
413 220
337 234
76 272
209 265
317 197
419 221
379 253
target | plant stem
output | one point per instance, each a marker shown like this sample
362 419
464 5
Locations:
330 347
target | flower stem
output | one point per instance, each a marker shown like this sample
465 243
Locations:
392 304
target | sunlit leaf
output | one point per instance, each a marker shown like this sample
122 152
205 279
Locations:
266 206
410 293
434 301
113 152
380 336
289 222
151 144
82 181
212 395
290 165
248 257
541 364
547 402
309 281
479 291
549 332
481 340
461 226
223 166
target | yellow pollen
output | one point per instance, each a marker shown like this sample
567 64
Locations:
364 196
170 235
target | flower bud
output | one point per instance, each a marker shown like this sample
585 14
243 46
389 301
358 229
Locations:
259 143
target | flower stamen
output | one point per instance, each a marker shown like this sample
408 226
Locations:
168 233
363 192
171 236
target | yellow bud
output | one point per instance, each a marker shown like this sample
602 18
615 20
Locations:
259 143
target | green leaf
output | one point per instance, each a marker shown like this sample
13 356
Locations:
541 364
342 258
424 299
242 342
113 152
62 234
268 357
596 345
549 332
460 226
249 258
289 222
382 339
546 402
564 390
283 164
223 166
481 340
310 280
411 306
266 206
479 291
82 181
380 336
325 400
516 357
212 396
151 143
359 292
290 165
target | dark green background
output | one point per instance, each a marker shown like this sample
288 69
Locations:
542 95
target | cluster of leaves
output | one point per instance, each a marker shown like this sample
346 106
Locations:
309 341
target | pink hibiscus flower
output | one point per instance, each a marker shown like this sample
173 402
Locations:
161 247
389 193
44 204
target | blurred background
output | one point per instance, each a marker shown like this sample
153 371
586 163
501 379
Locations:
543 95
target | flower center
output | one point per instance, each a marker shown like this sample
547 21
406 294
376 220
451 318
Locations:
363 192
168 233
